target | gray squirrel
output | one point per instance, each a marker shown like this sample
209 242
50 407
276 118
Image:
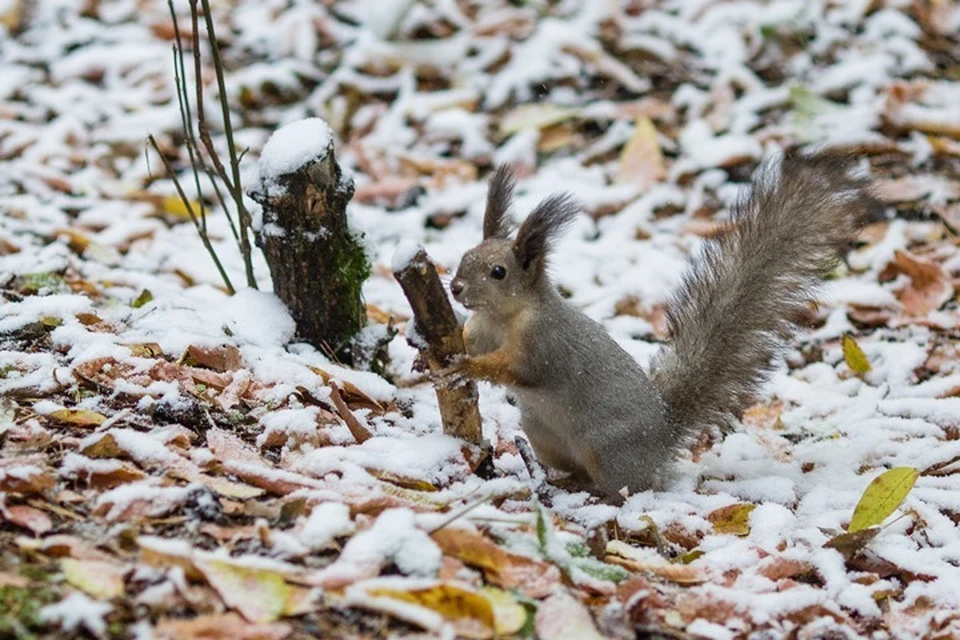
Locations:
586 405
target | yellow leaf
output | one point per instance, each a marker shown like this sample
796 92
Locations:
77 417
102 580
259 595
734 518
509 616
641 160
538 115
470 612
882 497
854 356
175 206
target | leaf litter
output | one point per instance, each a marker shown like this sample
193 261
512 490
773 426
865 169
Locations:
173 467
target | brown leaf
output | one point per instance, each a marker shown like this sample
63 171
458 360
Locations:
29 518
222 359
929 287
107 474
501 567
25 475
225 626
851 543
780 568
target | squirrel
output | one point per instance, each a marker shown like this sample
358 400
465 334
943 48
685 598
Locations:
586 406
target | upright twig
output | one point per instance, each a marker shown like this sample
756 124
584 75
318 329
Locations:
234 185
193 216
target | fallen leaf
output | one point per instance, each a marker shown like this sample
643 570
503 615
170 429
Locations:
144 298
259 595
854 356
145 350
222 359
851 542
175 206
539 115
641 161
25 475
509 616
225 626
563 617
882 497
99 579
31 518
650 561
501 567
929 287
78 417
471 613
734 518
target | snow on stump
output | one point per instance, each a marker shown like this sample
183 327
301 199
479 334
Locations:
317 263
438 336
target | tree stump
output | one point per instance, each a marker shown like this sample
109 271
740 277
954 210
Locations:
317 263
439 338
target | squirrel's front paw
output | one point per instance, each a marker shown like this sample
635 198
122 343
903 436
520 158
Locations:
460 366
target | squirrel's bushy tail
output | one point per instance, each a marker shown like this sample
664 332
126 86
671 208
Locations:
750 287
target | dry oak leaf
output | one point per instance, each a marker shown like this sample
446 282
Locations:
930 287
225 626
507 570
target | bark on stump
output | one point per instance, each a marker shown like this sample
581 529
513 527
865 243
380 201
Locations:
440 340
317 263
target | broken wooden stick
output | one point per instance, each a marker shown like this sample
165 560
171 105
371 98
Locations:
440 340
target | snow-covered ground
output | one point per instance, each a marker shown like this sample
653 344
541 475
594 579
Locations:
169 453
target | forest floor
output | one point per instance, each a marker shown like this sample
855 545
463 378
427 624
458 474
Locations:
175 465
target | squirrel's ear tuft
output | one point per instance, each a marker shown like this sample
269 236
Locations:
541 227
495 221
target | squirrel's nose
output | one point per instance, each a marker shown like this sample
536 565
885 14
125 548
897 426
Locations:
456 287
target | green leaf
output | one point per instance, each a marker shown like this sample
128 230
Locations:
142 299
882 497
854 356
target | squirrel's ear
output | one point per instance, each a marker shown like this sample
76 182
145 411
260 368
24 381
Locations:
495 222
540 228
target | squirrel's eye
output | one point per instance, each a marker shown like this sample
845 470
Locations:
498 273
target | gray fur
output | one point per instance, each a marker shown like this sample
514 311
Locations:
747 291
496 222
586 405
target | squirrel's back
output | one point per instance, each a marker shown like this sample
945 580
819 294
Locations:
749 289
